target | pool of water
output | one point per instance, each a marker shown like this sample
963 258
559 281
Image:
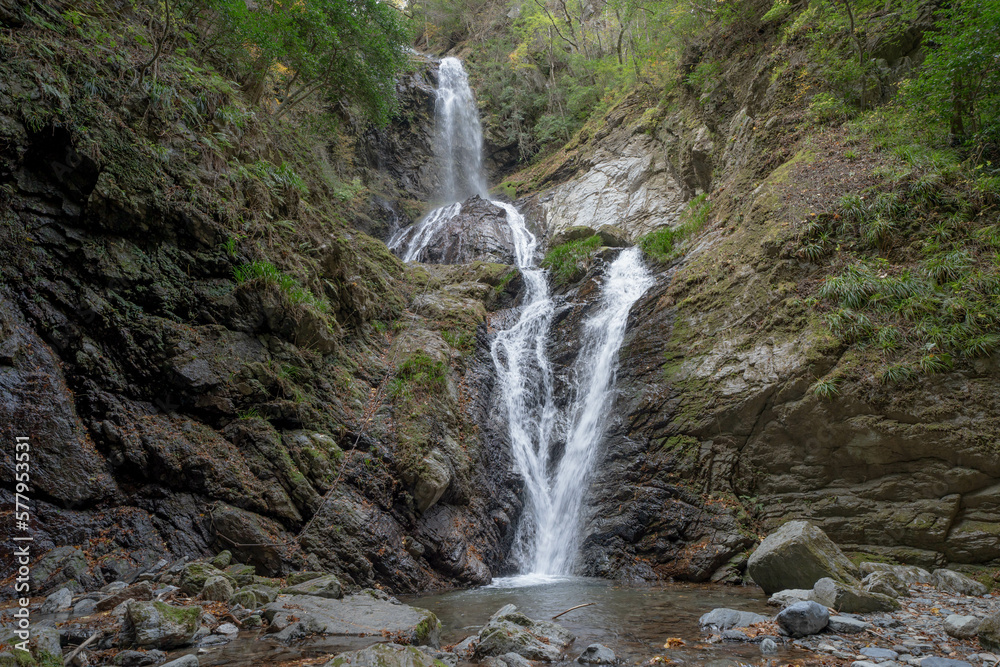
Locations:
634 621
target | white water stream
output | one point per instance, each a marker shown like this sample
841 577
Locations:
548 535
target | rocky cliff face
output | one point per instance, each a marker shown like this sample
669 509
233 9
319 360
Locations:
205 357
718 434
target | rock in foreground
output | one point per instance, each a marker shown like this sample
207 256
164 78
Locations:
385 655
362 614
803 618
509 631
798 555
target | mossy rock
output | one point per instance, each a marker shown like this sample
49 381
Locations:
196 575
159 625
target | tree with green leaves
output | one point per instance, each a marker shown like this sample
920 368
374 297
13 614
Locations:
346 50
960 76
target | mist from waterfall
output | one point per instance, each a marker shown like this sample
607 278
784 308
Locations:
548 535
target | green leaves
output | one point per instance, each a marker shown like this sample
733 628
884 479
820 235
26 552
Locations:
348 51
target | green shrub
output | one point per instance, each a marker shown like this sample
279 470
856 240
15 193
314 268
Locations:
569 262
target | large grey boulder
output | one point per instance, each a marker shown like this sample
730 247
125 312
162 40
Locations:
908 574
385 655
724 619
961 627
798 555
159 625
851 599
509 631
327 586
803 618
360 615
950 581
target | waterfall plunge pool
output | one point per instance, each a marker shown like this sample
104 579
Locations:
632 620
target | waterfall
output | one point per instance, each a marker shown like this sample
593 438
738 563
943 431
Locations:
548 535
557 524
458 147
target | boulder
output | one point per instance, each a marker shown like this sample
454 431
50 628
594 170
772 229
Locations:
989 632
159 625
961 627
223 560
327 586
217 589
908 574
61 600
885 582
385 655
183 661
141 591
851 599
139 658
803 618
195 575
360 615
254 597
296 578
506 660
950 581
85 607
447 657
44 648
509 631
845 625
724 619
597 654
798 555
791 596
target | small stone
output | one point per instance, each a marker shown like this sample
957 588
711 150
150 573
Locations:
223 560
61 600
227 629
961 627
863 663
597 654
935 661
139 658
878 653
184 661
803 618
114 587
845 625
768 647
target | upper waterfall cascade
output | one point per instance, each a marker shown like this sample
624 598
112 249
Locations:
548 535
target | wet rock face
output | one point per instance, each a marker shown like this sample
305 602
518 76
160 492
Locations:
478 233
180 412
